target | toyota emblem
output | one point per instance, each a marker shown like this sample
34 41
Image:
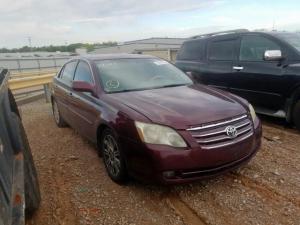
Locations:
231 131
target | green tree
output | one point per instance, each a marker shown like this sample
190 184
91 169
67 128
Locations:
61 48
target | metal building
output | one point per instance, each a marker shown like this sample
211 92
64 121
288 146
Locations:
165 48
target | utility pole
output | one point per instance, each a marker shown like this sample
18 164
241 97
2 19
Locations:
29 41
273 28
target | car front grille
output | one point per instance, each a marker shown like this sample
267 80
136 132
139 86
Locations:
215 135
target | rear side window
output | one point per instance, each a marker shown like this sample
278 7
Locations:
222 50
83 73
68 71
192 50
254 47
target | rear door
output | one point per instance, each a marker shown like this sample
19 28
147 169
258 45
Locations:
221 53
192 58
62 88
255 79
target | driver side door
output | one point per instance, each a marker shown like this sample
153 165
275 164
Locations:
83 104
255 79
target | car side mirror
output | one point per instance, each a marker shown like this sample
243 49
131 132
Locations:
82 86
273 55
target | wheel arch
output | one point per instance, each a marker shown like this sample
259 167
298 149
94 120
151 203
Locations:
294 97
101 127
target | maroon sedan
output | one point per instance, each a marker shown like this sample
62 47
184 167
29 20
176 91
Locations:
150 121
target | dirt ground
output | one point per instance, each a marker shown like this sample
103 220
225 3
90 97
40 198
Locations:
76 190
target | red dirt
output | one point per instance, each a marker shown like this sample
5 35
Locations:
76 190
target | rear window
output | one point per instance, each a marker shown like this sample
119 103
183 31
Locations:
192 50
222 50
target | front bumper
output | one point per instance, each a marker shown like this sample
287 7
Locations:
164 164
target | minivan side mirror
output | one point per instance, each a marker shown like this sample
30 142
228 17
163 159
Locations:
273 55
82 86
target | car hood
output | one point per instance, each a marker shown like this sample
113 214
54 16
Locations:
183 106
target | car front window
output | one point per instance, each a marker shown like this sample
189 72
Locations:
253 47
120 75
292 38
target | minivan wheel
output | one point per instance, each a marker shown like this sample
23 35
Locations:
56 114
31 184
296 115
113 157
32 190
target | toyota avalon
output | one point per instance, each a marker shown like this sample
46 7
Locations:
150 121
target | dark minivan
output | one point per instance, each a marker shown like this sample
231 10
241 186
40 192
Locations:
263 67
19 186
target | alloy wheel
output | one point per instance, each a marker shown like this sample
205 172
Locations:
111 155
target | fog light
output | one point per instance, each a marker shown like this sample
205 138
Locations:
169 174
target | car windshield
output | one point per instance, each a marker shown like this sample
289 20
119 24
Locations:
120 75
292 38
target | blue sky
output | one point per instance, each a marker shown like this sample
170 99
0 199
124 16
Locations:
68 21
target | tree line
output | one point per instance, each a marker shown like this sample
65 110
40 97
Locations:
61 48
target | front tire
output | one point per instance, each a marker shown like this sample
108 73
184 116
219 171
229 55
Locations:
296 115
60 122
113 157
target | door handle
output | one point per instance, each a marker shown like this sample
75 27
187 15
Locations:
238 68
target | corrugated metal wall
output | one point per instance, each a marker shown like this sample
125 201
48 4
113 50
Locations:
32 63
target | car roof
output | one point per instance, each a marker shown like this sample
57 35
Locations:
96 57
229 35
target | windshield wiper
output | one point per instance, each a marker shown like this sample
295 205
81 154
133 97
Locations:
148 88
128 90
172 85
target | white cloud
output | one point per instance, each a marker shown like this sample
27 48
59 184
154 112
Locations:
58 21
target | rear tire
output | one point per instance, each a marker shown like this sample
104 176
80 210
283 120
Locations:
296 115
31 184
60 122
113 157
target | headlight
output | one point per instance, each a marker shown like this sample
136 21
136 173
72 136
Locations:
157 134
252 112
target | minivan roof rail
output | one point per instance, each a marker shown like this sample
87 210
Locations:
220 33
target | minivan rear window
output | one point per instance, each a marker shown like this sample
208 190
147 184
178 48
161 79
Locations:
192 50
222 50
